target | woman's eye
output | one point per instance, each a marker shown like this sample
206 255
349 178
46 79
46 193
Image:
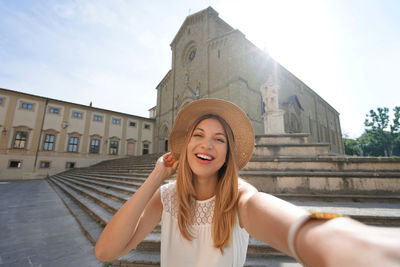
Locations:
221 140
197 135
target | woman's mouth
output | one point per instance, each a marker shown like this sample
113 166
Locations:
204 157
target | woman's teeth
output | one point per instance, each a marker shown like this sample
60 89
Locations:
204 157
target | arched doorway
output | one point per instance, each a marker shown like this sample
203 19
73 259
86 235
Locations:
164 138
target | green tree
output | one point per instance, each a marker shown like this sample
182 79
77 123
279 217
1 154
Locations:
368 145
378 138
351 146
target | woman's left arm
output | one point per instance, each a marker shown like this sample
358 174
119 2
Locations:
337 242
267 218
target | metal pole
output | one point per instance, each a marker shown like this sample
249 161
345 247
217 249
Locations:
40 135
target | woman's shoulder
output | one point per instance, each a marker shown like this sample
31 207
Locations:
168 187
246 190
168 192
245 186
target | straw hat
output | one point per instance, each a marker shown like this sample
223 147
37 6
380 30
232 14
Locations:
240 124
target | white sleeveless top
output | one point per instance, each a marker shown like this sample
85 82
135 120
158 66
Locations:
176 251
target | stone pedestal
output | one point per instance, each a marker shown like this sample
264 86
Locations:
284 145
273 122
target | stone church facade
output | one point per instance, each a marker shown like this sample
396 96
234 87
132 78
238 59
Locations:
210 59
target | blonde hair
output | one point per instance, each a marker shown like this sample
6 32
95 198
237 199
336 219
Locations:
225 209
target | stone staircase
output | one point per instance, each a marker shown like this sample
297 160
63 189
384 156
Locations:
94 194
287 163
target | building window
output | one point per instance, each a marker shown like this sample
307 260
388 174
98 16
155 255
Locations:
97 118
147 126
49 142
27 106
20 140
55 110
114 147
1 101
77 115
116 121
70 165
94 146
132 124
73 144
45 164
192 54
145 149
15 164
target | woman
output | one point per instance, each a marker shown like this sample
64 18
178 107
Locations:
207 214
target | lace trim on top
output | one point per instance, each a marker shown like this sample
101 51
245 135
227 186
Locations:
203 211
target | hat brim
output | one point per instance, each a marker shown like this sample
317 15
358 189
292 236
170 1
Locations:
240 124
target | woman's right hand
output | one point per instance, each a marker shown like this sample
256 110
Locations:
166 165
138 216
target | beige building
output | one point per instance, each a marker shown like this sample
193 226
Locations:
211 59
41 136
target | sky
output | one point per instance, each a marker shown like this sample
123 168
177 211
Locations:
114 53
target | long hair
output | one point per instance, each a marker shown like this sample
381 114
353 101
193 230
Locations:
225 209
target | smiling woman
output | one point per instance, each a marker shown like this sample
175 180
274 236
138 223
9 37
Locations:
207 214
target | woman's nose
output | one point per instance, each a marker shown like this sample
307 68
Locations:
207 143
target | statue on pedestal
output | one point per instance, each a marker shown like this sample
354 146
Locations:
273 116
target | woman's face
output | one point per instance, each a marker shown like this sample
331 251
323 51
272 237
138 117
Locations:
207 148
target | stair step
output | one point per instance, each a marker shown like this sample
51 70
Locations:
342 198
323 163
127 177
282 138
101 190
290 149
108 203
304 173
132 184
107 185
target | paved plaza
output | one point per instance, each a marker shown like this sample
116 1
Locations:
37 229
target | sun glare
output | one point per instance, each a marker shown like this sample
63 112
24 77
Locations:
298 34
